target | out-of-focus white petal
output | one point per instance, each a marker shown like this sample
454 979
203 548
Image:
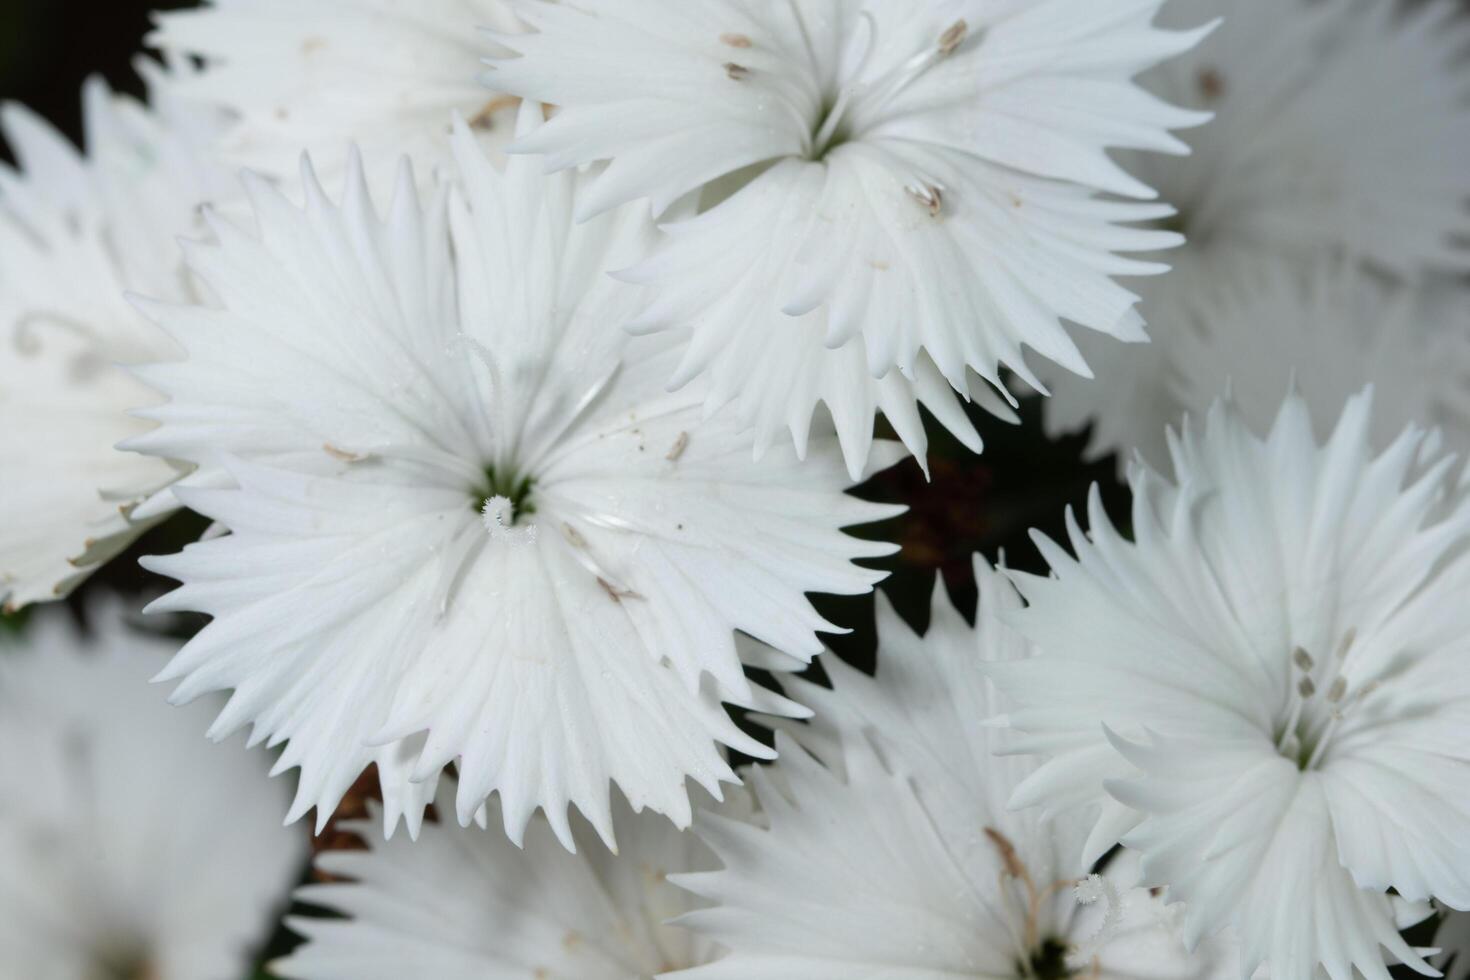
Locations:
78 230
467 904
130 846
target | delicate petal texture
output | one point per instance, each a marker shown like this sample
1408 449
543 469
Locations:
1253 325
1340 133
130 847
467 521
467 904
322 76
900 194
77 231
890 861
1267 675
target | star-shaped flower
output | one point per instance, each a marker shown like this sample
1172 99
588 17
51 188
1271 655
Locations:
899 857
131 847
894 197
77 230
1267 683
467 521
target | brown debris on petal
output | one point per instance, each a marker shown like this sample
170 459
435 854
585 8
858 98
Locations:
615 592
342 454
736 72
953 38
1211 84
485 117
736 40
680 444
931 197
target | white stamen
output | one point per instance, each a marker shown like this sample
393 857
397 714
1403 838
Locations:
1089 891
498 516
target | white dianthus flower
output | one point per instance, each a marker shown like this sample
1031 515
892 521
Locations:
897 197
1265 686
900 858
77 230
376 387
130 847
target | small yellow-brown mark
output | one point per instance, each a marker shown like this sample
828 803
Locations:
736 72
680 444
1211 84
574 536
931 197
484 118
617 594
342 454
879 264
571 940
736 40
313 44
953 38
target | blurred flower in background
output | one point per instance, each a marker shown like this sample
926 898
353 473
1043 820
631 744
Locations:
130 848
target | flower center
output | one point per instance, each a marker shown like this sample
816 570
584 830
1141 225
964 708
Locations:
509 491
505 504
1320 699
1043 957
1048 961
836 123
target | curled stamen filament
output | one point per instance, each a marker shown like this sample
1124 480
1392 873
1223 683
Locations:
1012 867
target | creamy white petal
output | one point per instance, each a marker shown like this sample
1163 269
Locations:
78 229
887 196
324 76
1267 664
130 847
467 521
467 904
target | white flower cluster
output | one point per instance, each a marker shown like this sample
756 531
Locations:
520 356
